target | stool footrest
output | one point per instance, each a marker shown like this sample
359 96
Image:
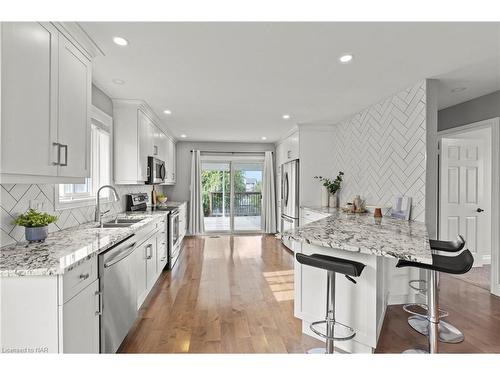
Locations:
420 288
409 309
344 332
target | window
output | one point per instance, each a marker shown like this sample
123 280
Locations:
73 195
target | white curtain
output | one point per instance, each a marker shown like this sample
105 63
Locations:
268 195
196 204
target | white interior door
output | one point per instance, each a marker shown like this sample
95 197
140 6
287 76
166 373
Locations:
466 194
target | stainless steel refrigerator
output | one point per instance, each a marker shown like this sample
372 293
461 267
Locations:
289 197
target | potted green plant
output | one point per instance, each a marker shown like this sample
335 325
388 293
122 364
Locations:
332 187
36 224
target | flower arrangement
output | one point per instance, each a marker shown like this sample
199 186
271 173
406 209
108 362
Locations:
33 218
331 185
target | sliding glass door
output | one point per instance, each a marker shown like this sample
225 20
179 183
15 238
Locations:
231 193
216 197
247 196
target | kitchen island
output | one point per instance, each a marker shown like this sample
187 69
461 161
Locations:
376 242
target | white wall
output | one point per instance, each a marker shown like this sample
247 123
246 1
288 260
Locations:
315 144
382 151
180 191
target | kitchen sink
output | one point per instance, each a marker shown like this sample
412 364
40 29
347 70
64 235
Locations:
120 223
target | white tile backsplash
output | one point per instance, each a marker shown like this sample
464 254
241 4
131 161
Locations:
382 151
15 200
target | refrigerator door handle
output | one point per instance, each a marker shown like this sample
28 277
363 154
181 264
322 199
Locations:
286 189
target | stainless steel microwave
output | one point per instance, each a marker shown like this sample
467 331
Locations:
156 171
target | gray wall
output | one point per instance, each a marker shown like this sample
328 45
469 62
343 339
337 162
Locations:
101 100
180 191
478 109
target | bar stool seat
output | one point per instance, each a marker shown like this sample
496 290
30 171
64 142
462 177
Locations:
335 331
457 265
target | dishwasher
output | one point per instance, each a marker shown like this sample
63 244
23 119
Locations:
116 282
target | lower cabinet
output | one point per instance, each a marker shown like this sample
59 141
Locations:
151 257
80 328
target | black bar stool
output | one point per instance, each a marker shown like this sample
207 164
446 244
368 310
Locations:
458 264
349 269
448 333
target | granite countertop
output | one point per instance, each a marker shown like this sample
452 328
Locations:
365 234
65 249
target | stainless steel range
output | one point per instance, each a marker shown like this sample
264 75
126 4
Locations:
138 202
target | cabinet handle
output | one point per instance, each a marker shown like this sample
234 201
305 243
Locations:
99 295
58 162
155 152
65 155
84 276
150 247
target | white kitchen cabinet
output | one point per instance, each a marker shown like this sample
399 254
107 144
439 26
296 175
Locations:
75 91
139 269
46 83
146 134
151 256
137 135
52 314
162 247
81 321
170 161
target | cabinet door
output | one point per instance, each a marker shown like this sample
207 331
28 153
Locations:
293 146
151 256
145 142
81 321
75 85
29 102
140 274
171 161
162 252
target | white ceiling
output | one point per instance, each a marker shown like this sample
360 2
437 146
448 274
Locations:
233 81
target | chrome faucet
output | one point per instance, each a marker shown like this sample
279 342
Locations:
98 214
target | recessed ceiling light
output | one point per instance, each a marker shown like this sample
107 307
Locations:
118 81
458 89
120 41
263 138
183 135
167 112
286 117
347 58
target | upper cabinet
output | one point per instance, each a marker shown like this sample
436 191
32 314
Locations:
46 98
288 149
137 136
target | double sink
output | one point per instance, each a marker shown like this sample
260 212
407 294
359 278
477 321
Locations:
119 223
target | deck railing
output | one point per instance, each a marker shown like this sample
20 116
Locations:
245 204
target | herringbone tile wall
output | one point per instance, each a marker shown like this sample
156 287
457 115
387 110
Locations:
15 200
382 151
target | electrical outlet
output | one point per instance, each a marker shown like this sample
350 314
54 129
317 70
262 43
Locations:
37 204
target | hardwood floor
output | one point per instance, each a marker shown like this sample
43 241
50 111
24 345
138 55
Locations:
472 309
235 295
226 295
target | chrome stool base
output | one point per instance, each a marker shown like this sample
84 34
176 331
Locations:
340 331
447 332
317 351
416 351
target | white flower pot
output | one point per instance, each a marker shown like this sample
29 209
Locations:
333 201
324 196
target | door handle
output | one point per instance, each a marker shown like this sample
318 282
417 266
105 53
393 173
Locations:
479 210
